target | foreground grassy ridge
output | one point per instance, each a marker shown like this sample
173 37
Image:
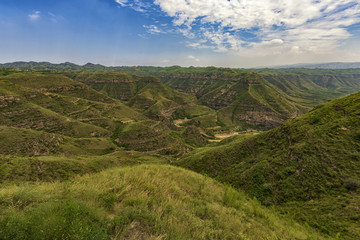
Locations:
310 158
142 202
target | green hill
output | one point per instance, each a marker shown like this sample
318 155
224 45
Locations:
259 97
142 202
148 95
25 142
308 167
58 105
84 153
226 99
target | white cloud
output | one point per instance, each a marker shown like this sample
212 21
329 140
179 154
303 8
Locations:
34 16
137 5
295 26
193 58
121 2
152 29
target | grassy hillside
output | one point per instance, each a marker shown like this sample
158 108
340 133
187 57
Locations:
260 97
25 142
311 161
57 83
147 95
17 169
242 99
64 134
55 104
142 202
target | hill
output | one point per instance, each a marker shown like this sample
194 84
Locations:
256 98
146 94
308 166
226 99
141 202
56 104
64 134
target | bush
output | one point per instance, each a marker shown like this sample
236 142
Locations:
351 184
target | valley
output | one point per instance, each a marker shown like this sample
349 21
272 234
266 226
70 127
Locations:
178 153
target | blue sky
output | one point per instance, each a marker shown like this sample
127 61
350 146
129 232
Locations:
234 33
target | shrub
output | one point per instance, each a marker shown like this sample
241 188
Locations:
351 184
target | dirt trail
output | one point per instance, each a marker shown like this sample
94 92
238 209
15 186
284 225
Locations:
178 122
222 136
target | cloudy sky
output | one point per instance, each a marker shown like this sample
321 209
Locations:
234 33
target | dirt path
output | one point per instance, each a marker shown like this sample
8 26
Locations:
178 122
221 136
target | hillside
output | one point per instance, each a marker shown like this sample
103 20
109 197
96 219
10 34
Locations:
147 95
308 167
56 104
91 147
141 202
256 98
216 99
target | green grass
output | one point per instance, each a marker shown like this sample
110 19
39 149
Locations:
56 83
25 142
276 94
142 202
309 158
61 143
149 136
15 169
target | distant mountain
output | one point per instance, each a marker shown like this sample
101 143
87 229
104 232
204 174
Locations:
330 65
46 66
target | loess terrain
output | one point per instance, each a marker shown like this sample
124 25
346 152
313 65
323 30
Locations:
94 152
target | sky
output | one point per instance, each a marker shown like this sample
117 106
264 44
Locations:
224 33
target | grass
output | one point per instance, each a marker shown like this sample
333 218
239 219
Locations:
149 136
16 169
308 160
25 142
64 143
141 202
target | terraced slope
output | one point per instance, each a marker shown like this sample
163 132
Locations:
26 142
149 96
309 167
58 105
243 99
261 97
